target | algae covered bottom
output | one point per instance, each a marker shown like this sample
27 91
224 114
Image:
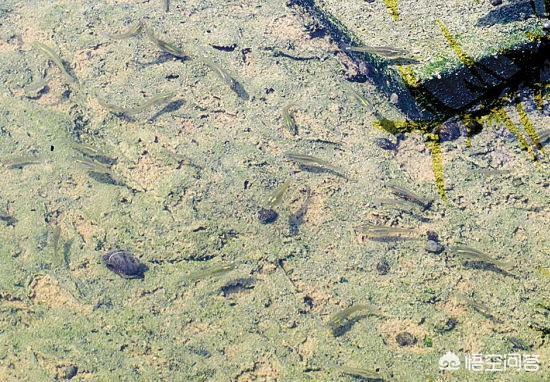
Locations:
266 225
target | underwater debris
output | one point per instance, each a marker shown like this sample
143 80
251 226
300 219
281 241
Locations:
385 233
224 75
393 9
406 339
311 161
130 32
408 196
528 127
166 46
341 322
479 308
166 4
365 374
124 264
472 258
50 54
267 216
288 119
499 115
153 101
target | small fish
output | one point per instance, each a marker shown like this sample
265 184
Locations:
130 32
166 46
215 270
277 196
342 316
20 162
475 257
363 374
226 78
386 234
311 161
95 155
384 51
100 172
479 308
48 52
359 98
153 101
341 321
288 119
408 196
66 252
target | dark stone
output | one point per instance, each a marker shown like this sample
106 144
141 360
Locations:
433 246
124 264
450 131
70 372
496 2
385 144
237 286
406 339
449 325
10 221
383 267
267 216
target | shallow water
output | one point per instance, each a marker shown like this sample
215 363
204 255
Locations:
216 290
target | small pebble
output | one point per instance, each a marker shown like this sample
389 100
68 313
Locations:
124 264
383 267
406 339
546 25
267 216
496 2
394 98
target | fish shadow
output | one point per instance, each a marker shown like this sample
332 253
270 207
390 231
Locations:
485 266
169 108
297 219
338 331
161 59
